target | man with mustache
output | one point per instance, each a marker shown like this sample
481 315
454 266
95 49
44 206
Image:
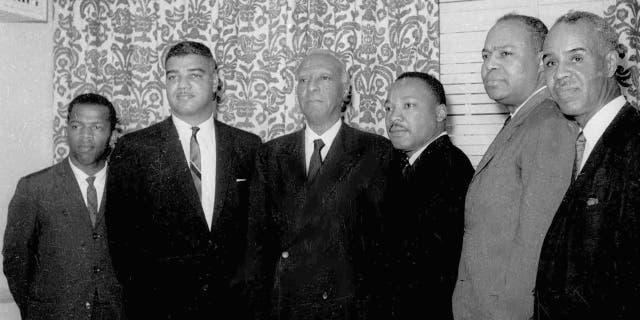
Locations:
316 232
519 183
177 205
589 261
429 219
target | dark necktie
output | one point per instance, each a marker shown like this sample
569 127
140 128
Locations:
406 166
194 161
92 200
316 159
580 142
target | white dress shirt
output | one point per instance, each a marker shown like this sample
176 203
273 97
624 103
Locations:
206 137
417 154
98 183
327 137
598 123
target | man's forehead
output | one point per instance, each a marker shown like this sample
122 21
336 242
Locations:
410 87
565 37
319 62
506 34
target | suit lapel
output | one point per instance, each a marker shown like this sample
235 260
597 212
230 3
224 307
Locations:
340 159
617 133
224 172
173 170
72 194
507 132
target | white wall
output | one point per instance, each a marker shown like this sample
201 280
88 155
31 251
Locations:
26 100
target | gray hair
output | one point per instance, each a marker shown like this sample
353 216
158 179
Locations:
537 29
607 37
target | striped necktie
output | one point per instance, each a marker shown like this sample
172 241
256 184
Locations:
92 200
316 159
194 161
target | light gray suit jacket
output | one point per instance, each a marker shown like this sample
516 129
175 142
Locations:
516 189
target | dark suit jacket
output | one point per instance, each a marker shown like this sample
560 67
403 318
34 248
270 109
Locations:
55 260
318 243
590 262
430 223
170 263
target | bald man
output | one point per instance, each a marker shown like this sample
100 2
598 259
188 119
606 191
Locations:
317 226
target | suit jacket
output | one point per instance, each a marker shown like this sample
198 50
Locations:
170 263
515 191
430 223
589 265
57 263
318 243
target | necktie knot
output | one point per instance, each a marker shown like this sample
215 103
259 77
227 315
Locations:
316 159
405 165
581 140
90 180
318 144
194 131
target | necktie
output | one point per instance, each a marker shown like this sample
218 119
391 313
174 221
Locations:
92 200
406 166
316 159
580 142
194 161
506 121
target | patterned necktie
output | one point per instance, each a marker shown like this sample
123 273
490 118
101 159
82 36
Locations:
580 142
406 166
194 161
92 200
316 159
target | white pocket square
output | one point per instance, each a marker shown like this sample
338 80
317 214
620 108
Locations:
241 180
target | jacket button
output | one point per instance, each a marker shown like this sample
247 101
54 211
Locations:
205 288
325 295
96 236
96 269
285 254
87 305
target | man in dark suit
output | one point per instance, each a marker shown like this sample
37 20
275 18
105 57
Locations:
430 216
177 206
317 227
589 266
55 248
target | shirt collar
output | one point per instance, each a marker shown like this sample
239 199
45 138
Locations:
81 176
185 128
417 154
599 122
527 100
327 137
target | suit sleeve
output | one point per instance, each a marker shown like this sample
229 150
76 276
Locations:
20 241
262 241
125 228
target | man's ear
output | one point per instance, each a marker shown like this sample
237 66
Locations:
611 61
441 112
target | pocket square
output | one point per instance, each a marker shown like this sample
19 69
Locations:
592 201
241 180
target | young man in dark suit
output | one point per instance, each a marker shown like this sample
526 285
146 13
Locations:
55 247
589 266
177 206
429 219
316 225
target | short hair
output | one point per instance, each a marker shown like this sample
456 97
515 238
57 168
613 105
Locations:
607 37
344 75
190 47
537 29
94 98
432 83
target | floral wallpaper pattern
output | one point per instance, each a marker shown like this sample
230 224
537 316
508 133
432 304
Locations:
116 48
623 15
